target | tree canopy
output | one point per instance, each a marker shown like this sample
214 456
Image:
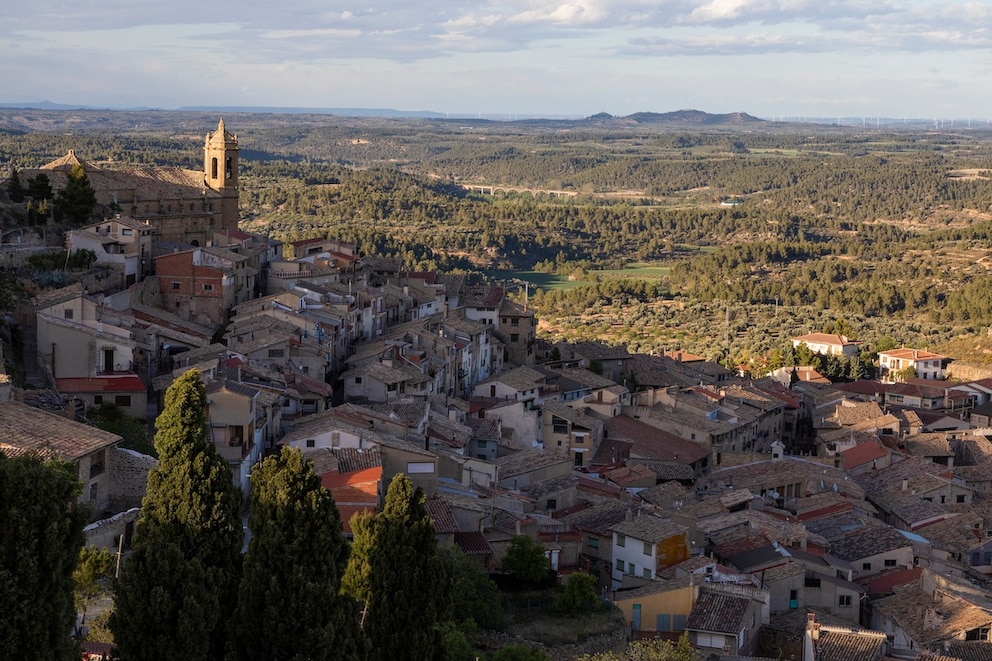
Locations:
409 590
289 606
42 536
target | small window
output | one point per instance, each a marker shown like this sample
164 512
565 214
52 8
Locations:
621 540
959 498
127 232
552 503
358 380
208 287
122 400
97 399
631 569
890 562
175 285
844 601
276 353
647 548
514 337
646 573
68 314
866 566
619 565
311 442
514 321
593 542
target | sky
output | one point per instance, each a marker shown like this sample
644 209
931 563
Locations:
551 58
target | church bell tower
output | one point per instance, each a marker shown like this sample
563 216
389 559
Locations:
220 169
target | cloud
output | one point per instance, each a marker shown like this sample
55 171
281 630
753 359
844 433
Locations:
403 31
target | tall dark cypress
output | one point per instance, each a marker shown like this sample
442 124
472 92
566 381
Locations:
288 603
176 595
409 587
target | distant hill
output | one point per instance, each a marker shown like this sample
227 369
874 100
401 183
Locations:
693 118
676 118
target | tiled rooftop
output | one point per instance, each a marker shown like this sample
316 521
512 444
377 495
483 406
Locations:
27 429
720 613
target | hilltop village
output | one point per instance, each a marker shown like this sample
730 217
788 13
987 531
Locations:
780 514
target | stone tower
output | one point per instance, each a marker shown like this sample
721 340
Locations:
220 169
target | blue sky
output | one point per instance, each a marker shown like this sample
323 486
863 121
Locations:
771 58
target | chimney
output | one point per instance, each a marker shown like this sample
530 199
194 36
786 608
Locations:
905 484
628 515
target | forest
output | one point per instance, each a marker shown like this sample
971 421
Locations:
886 228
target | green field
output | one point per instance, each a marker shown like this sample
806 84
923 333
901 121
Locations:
552 281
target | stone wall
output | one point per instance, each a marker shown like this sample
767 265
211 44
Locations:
965 372
105 533
129 476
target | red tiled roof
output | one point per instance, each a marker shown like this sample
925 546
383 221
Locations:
122 383
335 480
444 520
885 584
862 454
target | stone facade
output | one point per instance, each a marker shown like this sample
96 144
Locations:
128 477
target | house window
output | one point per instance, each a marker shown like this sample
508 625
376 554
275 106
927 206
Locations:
646 573
68 314
619 565
94 490
890 562
844 601
358 380
122 400
276 353
208 287
647 548
631 569
559 425
621 540
514 337
552 503
127 232
311 442
97 399
959 498
866 566
593 542
96 463
514 321
175 285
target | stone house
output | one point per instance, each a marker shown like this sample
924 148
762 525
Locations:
120 243
644 545
25 429
204 284
572 431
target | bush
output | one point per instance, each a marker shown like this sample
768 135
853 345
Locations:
578 594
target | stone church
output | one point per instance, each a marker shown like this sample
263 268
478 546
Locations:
187 206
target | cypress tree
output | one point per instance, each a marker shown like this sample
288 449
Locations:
77 200
41 534
409 588
288 603
15 191
176 593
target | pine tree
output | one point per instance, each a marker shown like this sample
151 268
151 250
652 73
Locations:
176 592
409 588
288 605
42 533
